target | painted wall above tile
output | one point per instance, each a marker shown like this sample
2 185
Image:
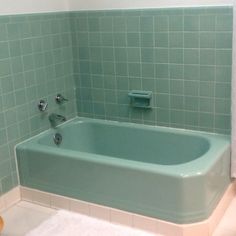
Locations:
11 7
75 5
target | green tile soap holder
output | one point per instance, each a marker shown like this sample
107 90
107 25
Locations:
141 99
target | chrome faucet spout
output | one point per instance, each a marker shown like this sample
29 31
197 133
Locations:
53 118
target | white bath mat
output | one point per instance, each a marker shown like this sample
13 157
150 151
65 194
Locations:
65 223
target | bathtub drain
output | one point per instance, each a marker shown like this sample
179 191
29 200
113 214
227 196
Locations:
57 138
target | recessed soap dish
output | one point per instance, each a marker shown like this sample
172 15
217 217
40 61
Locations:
141 99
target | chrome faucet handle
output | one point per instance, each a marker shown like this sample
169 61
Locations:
60 99
42 105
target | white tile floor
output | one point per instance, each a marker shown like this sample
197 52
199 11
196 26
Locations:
25 216
227 226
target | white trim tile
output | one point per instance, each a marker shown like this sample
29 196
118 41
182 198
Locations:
58 202
169 229
12 197
41 198
99 212
201 229
221 208
79 207
121 217
2 204
26 194
145 223
36 207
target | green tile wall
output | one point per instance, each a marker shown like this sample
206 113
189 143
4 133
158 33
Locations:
182 55
36 62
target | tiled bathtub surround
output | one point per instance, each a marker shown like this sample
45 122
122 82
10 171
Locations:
183 55
35 62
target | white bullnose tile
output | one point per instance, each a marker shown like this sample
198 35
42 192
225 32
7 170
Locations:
99 212
121 217
145 223
26 194
227 225
221 208
12 197
169 229
2 204
79 207
41 198
201 229
58 202
36 207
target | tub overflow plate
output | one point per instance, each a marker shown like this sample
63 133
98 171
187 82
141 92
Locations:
57 138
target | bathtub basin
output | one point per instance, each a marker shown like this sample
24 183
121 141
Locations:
170 174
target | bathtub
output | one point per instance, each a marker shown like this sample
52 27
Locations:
174 175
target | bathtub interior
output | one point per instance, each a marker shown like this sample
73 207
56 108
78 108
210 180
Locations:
125 142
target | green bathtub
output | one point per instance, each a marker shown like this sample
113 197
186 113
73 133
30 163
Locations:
170 174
